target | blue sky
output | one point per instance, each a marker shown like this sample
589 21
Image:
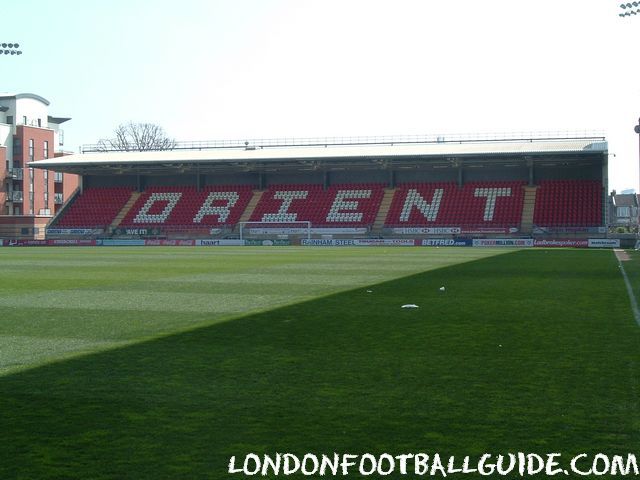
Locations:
235 69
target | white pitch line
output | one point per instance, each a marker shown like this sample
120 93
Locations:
632 297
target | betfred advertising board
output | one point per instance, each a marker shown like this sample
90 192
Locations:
446 242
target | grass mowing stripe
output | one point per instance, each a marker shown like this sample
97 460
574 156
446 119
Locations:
484 366
133 301
19 351
116 294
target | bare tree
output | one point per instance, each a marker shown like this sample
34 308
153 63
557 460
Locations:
137 137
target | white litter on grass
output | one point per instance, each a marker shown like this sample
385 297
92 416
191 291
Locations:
442 289
410 305
369 291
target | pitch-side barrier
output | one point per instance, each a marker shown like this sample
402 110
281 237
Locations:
324 242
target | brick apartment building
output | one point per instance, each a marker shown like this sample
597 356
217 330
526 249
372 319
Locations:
30 197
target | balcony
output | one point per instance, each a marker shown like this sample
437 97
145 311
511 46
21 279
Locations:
15 174
57 177
58 199
15 196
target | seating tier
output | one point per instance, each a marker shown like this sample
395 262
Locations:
95 207
345 205
568 203
185 206
478 204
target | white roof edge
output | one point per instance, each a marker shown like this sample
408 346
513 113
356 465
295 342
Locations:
321 152
32 96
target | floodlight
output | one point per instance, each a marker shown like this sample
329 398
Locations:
9 48
629 13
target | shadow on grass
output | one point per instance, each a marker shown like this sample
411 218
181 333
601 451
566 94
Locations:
499 362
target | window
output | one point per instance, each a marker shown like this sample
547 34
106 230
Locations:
24 120
17 146
623 212
46 149
31 149
46 198
45 174
10 119
40 122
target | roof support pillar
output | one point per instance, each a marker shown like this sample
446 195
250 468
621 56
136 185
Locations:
460 176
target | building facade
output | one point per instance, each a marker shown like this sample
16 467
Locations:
623 211
29 134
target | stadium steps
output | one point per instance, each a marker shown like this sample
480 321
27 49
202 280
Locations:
385 204
123 213
528 206
253 203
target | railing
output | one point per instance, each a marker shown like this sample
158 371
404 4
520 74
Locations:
57 177
15 174
254 144
58 198
16 196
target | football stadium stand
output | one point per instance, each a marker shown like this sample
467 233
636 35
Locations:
477 204
374 187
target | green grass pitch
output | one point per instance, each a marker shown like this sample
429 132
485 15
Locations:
161 363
